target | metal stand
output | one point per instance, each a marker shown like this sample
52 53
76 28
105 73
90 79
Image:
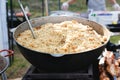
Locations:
10 39
3 76
85 74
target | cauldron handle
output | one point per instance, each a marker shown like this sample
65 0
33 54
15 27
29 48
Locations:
10 52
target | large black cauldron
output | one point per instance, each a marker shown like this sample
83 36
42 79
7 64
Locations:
65 63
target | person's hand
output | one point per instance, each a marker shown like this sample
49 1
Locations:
116 7
65 6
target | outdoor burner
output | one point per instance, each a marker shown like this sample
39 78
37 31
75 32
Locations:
91 73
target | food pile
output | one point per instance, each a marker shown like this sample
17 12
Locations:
65 37
109 66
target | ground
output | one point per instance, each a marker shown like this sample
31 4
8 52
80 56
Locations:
18 67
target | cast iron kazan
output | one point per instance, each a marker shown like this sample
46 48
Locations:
61 63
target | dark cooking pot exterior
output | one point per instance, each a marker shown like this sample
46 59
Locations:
65 63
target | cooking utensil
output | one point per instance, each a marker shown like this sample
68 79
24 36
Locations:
67 62
26 17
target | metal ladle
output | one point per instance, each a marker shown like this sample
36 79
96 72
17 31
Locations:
26 17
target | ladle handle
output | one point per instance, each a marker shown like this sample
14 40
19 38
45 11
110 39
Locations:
30 26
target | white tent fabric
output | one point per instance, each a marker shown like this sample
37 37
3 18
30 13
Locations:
3 27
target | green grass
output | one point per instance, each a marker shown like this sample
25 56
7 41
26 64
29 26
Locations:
19 66
115 39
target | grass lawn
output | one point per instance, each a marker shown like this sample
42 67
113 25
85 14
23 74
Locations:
115 39
19 66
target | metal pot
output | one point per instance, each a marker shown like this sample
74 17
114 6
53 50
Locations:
64 13
64 63
3 62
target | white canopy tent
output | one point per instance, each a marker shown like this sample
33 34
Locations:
3 32
3 27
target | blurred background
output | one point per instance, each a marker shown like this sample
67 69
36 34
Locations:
37 7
